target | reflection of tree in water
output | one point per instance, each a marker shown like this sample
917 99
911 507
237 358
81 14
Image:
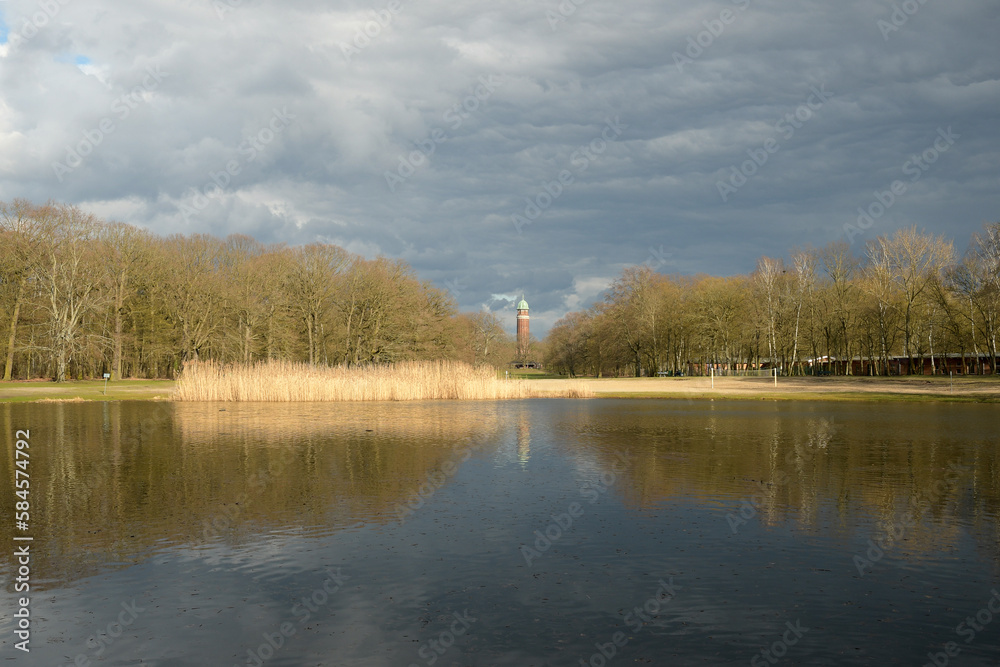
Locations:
823 475
113 481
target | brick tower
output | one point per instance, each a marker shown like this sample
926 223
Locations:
523 336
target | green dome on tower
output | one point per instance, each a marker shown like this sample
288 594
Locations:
522 304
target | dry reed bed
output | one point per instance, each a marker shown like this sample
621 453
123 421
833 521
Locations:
282 381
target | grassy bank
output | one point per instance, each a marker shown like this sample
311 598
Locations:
866 397
407 381
85 390
913 388
442 380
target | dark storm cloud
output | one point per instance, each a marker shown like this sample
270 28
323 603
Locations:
424 130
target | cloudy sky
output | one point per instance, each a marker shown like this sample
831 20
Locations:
508 147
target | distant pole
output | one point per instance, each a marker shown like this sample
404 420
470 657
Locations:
713 376
775 377
952 375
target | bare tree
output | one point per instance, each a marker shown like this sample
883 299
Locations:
766 278
841 267
125 250
879 283
987 251
634 308
377 296
976 283
245 281
805 280
565 354
27 229
914 260
722 305
276 271
70 273
192 289
316 273
489 332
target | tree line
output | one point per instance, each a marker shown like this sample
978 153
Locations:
904 304
80 296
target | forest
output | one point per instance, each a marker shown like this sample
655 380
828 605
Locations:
906 296
80 297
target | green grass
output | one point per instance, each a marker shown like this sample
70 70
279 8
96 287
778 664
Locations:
862 397
87 390
537 375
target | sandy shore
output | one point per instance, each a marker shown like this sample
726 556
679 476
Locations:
963 388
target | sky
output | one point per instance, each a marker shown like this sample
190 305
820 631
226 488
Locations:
508 148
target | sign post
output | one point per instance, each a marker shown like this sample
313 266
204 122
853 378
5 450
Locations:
106 377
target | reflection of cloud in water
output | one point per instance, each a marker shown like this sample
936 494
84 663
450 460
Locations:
846 466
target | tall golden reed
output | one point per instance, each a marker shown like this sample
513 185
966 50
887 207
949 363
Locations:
283 381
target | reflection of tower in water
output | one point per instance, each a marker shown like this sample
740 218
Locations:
523 438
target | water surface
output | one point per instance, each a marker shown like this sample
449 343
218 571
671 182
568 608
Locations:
539 532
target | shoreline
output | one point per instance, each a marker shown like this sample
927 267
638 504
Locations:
977 389
78 391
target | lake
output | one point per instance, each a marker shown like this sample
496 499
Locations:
537 532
